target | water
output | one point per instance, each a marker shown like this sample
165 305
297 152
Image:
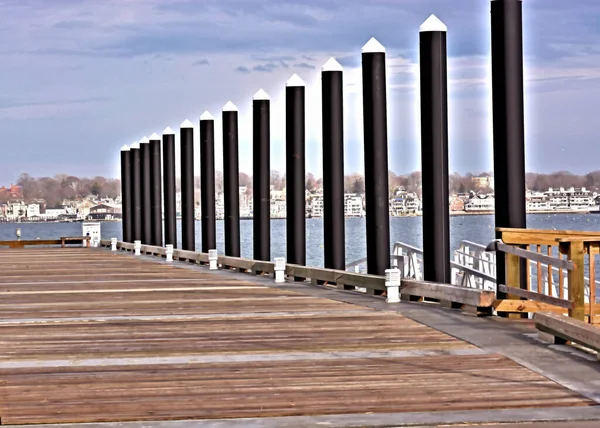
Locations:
476 228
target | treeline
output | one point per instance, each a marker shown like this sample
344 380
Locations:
54 190
62 186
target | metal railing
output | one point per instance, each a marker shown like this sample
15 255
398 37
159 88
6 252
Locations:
474 267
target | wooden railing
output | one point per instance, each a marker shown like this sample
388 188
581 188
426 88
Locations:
557 286
63 241
445 294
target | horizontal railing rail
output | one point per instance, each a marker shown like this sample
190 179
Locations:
63 241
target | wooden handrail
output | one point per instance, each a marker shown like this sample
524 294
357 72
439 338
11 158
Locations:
575 244
46 242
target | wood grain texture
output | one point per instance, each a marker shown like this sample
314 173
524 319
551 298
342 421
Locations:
192 344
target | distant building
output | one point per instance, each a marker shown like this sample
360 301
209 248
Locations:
537 201
11 192
105 212
457 203
353 205
572 199
480 203
33 210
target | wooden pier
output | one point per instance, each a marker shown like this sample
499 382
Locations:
90 335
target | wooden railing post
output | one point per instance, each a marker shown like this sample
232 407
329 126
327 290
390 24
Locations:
576 253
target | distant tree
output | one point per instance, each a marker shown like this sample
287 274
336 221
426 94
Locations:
358 186
245 180
96 189
310 181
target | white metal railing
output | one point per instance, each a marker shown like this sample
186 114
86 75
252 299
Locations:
472 266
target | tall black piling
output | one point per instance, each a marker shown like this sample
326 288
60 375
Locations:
136 193
169 187
126 193
188 232
231 180
261 175
295 170
434 150
376 157
333 165
156 190
146 202
508 124
207 182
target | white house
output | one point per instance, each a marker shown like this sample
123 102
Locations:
33 210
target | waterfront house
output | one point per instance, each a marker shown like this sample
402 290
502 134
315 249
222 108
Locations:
480 203
571 199
537 201
105 212
316 206
456 203
15 211
353 205
33 210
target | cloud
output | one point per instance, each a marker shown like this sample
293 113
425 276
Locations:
91 71
264 68
304 65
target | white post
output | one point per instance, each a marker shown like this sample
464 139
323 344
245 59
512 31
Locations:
113 244
357 269
137 245
169 252
213 257
279 269
392 283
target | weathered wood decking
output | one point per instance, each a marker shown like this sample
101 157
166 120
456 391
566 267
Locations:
91 336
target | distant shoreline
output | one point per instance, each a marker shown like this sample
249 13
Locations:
452 214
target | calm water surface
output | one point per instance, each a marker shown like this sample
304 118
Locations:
405 229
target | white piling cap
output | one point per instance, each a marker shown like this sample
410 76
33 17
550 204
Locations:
168 131
373 46
125 148
135 145
230 107
295 80
332 65
144 140
207 116
154 136
432 24
187 124
261 95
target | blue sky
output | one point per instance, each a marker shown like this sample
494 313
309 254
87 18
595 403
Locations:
80 78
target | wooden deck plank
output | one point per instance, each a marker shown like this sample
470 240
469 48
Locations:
193 344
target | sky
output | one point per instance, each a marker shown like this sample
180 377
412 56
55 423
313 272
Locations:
81 78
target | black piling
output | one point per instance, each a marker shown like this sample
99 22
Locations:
508 123
146 202
126 193
136 193
333 165
231 180
295 170
169 187
261 175
434 151
188 232
376 157
156 190
207 182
